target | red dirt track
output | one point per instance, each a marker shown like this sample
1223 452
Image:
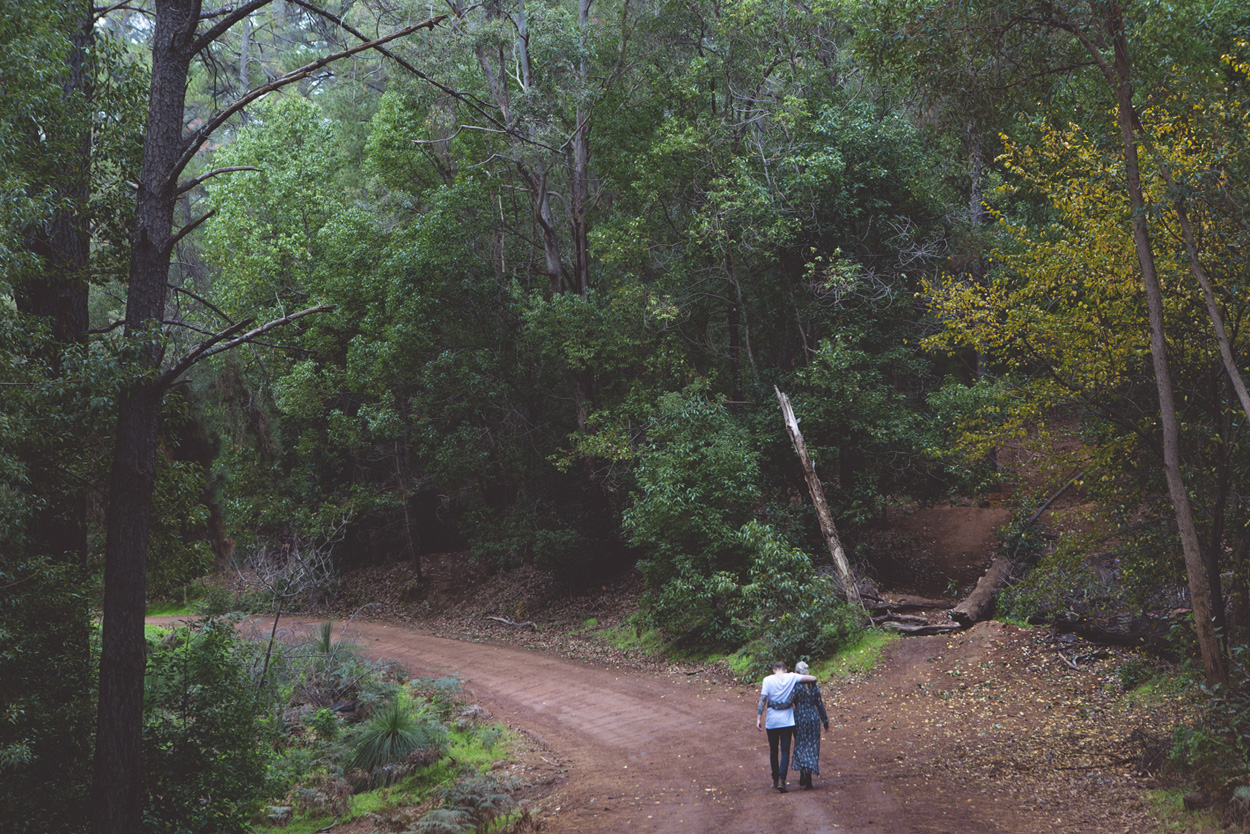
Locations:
677 753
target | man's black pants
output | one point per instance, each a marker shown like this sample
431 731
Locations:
780 737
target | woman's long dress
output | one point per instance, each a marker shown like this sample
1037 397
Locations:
809 715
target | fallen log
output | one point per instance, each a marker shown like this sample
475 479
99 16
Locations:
921 630
980 603
507 622
899 618
830 530
1131 632
907 603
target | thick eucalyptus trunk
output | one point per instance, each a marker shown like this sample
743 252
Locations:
117 788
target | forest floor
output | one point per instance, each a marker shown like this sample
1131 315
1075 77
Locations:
998 729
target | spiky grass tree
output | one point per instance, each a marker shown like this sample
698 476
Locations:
393 734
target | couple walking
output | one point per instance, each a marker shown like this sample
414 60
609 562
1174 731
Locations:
795 711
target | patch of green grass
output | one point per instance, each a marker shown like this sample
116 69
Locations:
1171 816
857 658
591 622
742 662
169 609
1015 621
1163 686
303 825
627 637
480 745
154 632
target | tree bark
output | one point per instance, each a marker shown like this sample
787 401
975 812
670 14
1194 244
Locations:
828 528
1195 566
117 790
980 603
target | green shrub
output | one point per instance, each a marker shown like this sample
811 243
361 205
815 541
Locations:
698 482
1215 751
216 602
326 724
798 614
205 743
1133 673
47 687
469 804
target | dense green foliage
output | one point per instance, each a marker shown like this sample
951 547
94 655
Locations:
566 262
205 751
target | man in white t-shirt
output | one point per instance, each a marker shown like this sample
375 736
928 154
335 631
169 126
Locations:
777 696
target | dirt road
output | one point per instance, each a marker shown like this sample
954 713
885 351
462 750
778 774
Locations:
679 753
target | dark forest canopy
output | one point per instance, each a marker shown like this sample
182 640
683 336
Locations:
519 279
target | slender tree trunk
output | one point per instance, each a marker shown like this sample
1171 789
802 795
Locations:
976 220
580 195
1199 273
401 486
1195 565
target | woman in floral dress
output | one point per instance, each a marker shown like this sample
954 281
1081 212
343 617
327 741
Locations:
809 714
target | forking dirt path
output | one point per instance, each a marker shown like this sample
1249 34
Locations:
641 752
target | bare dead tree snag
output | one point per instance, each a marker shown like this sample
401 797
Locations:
827 526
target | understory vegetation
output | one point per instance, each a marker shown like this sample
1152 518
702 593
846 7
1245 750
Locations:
523 281
241 735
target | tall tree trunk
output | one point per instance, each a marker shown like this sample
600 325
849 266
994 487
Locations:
117 789
580 195
1195 566
57 293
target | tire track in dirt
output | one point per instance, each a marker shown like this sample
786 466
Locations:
661 754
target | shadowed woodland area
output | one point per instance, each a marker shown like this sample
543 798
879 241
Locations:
294 290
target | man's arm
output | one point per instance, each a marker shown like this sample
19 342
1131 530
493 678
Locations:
759 710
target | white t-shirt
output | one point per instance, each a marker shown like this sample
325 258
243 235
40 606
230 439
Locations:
779 688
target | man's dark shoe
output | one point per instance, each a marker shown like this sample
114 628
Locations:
776 783
781 788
